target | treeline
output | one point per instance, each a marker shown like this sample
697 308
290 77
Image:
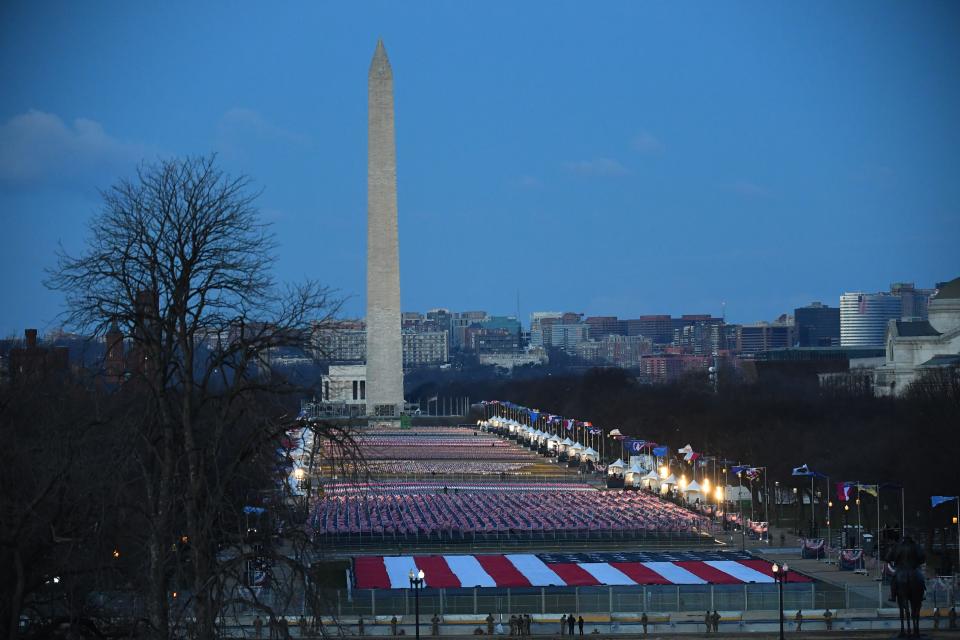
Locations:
909 441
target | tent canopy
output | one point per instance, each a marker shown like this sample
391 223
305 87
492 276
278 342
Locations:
619 464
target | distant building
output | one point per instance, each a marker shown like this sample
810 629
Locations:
424 349
601 326
536 326
32 360
913 301
495 341
659 329
665 367
625 352
568 336
914 347
343 342
345 384
763 336
864 317
817 325
459 323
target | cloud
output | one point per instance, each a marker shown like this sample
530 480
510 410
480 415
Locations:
646 142
40 148
239 127
598 167
748 189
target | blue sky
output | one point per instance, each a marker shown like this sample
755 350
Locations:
609 158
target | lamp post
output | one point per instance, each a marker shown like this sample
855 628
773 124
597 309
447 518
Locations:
416 583
780 575
829 507
846 512
796 498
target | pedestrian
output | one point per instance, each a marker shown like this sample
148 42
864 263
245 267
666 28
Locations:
563 625
257 627
274 628
799 619
360 626
435 625
570 622
828 618
580 624
393 625
716 620
513 625
489 624
303 627
285 628
936 617
952 617
708 621
527 622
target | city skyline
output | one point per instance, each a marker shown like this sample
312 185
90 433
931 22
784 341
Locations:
628 173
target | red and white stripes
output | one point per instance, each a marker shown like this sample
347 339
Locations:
529 570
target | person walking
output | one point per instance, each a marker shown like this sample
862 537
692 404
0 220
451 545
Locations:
435 625
489 624
570 622
257 627
580 624
828 618
715 618
952 618
643 621
708 621
527 621
563 625
393 626
936 618
360 626
513 625
799 620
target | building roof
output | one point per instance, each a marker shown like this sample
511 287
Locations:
950 290
944 360
915 328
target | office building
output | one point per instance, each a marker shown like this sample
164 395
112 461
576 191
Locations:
817 325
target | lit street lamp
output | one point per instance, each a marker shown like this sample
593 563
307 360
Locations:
780 575
416 583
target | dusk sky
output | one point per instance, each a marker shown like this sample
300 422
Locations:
608 158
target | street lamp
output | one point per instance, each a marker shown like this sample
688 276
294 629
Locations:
846 512
776 492
780 575
416 583
796 499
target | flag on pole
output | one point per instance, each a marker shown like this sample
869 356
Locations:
938 500
660 451
843 491
752 473
802 470
872 489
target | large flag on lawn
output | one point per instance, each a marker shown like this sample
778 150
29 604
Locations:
938 500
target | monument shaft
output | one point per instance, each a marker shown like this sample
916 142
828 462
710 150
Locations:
384 346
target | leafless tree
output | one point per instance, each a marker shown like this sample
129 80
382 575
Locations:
180 260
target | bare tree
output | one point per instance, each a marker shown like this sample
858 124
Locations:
180 260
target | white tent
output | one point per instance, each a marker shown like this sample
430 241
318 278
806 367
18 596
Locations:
671 479
616 468
590 454
634 475
651 479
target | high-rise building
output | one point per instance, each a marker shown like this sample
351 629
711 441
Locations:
601 326
568 336
817 325
913 302
864 317
658 329
384 373
424 349
763 336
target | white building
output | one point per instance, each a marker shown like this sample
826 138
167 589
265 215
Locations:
916 346
864 318
345 384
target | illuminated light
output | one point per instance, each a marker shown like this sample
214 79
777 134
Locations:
116 553
706 486
683 482
775 568
719 494
174 594
664 471
298 473
184 539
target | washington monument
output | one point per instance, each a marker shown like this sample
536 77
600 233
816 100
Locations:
384 348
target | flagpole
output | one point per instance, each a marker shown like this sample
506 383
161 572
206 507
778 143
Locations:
766 503
903 512
876 541
813 513
859 521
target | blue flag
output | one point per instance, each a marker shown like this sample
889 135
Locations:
634 446
660 451
938 500
803 470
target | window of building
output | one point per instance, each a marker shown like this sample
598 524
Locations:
355 394
363 389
